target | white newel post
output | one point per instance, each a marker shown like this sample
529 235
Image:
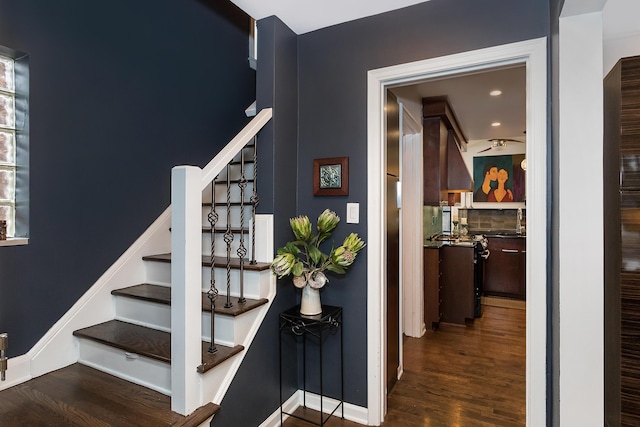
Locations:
186 288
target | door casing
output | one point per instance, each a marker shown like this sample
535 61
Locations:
533 54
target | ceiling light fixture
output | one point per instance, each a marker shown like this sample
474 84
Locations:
498 144
495 124
496 92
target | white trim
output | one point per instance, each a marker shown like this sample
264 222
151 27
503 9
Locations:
186 285
580 273
58 347
14 241
533 53
412 240
17 372
354 413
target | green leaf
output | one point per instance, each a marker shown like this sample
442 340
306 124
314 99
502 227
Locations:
315 254
336 269
292 248
297 269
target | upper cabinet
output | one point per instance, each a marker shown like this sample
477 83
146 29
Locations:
445 172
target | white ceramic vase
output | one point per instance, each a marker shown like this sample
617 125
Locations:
310 304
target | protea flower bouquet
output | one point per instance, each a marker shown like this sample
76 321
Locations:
305 261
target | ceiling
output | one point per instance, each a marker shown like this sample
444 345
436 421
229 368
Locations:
303 16
474 107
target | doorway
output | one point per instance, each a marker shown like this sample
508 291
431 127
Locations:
533 55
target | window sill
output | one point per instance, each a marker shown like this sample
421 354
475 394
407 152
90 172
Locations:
14 241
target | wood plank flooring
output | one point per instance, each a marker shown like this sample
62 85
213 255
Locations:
460 376
81 396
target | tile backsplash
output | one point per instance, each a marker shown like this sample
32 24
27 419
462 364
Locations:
492 219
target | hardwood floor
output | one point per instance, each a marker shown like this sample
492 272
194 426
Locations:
81 396
460 376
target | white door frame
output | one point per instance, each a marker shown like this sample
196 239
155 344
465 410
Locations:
532 53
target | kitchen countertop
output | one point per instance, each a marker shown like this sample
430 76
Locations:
500 233
441 243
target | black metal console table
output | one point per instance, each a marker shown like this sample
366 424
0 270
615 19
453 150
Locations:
319 326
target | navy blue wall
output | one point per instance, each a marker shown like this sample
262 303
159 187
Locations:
121 91
333 65
254 393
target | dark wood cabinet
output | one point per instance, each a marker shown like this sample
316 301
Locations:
457 293
432 286
444 170
622 244
505 269
434 152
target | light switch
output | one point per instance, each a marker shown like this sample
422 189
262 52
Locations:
353 213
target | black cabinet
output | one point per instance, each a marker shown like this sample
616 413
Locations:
458 291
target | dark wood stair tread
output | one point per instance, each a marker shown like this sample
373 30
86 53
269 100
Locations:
219 262
207 229
78 395
149 342
162 295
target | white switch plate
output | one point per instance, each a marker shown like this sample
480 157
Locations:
353 213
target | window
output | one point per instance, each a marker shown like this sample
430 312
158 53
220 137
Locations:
14 145
8 143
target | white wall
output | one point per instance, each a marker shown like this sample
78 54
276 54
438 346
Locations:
581 253
621 31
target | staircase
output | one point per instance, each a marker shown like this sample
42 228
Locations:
180 321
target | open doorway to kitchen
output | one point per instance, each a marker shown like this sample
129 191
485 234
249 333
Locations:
532 55
463 353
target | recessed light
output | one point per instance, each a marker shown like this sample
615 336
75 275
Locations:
496 92
496 124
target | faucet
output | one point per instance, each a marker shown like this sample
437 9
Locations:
519 221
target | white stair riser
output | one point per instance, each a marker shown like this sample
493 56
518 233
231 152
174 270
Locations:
256 283
238 325
142 370
229 330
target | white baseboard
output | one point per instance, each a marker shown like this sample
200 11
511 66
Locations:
18 371
357 414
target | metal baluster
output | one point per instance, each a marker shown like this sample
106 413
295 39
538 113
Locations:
228 239
212 294
254 200
242 250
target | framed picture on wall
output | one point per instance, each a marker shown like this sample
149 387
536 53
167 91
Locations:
331 176
499 179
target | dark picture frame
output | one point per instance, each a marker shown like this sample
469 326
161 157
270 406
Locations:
331 176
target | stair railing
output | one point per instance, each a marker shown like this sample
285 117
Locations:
187 186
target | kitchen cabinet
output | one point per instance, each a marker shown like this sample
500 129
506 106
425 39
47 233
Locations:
457 280
621 243
444 170
505 269
432 286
